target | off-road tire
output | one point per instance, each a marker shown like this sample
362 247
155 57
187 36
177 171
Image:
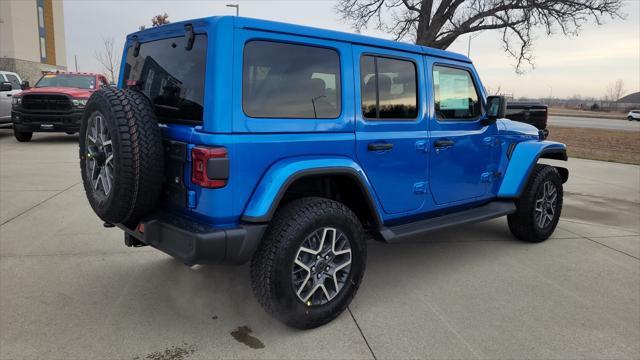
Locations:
522 223
271 277
137 151
22 136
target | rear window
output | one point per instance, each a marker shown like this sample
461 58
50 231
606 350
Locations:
290 81
171 76
67 80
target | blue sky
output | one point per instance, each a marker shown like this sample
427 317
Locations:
565 66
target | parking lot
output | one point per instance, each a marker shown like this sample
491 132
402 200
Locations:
70 289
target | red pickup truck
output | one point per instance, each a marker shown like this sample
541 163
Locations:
54 104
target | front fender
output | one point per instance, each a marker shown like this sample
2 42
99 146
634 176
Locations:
523 158
264 200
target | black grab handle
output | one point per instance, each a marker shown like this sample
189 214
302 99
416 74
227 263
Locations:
379 146
443 143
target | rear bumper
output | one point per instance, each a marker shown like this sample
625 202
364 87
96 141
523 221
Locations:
195 243
54 122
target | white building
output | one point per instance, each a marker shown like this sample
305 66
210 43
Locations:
32 37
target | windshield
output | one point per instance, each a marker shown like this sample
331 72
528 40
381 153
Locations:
171 76
67 80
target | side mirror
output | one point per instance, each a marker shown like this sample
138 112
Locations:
496 109
5 86
24 85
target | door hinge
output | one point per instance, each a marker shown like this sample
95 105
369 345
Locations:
489 176
420 187
491 141
422 145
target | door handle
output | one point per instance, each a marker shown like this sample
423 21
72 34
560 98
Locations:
443 143
379 146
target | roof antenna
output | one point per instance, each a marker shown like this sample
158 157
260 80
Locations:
136 46
191 36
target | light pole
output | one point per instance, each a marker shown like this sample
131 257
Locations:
237 6
471 36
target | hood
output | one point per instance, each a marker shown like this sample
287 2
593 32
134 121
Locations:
510 127
73 92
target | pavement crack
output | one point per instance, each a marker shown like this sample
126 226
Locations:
38 204
362 333
605 245
440 315
612 248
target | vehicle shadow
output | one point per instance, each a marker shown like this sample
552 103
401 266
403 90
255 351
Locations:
168 291
54 138
50 138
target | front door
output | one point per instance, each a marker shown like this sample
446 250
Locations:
391 126
461 160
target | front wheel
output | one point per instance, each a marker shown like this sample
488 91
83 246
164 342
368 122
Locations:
22 136
310 262
539 206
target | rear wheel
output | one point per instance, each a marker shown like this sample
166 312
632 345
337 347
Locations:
22 136
630 118
539 206
70 132
310 262
121 155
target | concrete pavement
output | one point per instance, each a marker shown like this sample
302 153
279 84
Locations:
70 289
594 123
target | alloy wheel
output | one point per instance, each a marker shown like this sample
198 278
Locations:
100 166
321 266
545 207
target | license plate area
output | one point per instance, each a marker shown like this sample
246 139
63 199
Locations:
175 160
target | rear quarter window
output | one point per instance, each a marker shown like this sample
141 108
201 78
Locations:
282 80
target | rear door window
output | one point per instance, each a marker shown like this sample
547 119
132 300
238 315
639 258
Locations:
281 80
388 88
171 76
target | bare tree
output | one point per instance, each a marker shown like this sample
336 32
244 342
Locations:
438 23
615 90
160 19
494 91
108 59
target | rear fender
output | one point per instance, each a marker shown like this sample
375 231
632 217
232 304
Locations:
523 158
273 185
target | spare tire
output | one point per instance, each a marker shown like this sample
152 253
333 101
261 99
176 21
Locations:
121 155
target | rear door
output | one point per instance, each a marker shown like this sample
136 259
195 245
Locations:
461 163
391 126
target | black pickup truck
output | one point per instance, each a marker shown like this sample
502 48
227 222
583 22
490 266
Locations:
532 113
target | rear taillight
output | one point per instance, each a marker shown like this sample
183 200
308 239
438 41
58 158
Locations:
209 167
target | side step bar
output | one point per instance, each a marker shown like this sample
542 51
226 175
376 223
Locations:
414 230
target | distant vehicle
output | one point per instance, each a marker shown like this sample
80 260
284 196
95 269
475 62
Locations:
633 115
54 104
9 86
532 113
232 139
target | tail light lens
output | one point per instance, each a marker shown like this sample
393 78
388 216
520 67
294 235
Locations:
209 167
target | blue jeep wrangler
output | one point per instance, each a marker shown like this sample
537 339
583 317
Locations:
232 139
